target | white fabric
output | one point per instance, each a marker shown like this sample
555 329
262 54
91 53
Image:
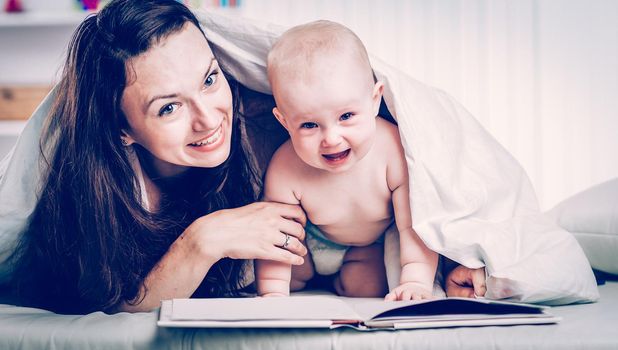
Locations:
471 201
592 217
19 182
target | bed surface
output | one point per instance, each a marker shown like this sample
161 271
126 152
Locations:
589 326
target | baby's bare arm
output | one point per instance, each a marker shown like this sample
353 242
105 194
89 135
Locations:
273 278
418 263
281 176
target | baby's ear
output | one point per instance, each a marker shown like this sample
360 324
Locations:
378 90
280 117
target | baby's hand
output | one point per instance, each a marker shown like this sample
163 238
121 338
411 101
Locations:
410 291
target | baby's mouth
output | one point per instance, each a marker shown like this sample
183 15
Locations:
334 157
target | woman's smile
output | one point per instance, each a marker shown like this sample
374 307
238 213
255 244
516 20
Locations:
210 142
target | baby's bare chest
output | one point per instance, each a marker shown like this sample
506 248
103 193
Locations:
349 200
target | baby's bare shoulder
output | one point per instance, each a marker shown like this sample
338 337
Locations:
388 135
285 160
284 152
390 143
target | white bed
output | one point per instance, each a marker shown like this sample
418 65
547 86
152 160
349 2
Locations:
584 326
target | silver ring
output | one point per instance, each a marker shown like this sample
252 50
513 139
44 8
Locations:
287 241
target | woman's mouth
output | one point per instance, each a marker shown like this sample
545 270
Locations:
211 141
336 158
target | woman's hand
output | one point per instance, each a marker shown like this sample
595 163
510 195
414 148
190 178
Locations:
465 282
256 231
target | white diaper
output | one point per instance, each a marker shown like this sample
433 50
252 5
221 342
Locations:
327 255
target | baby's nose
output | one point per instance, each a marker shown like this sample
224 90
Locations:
331 138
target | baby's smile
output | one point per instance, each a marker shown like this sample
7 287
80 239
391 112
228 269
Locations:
336 158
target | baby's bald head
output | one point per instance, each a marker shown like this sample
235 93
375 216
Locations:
303 50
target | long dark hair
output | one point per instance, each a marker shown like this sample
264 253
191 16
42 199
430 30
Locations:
90 244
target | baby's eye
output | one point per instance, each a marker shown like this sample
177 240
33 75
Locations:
308 125
168 109
345 116
211 79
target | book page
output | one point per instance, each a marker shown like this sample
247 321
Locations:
367 308
272 308
372 309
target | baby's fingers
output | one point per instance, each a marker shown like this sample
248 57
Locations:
408 294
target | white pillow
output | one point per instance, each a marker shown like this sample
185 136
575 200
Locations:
592 217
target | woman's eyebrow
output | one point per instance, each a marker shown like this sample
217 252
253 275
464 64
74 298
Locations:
157 97
212 61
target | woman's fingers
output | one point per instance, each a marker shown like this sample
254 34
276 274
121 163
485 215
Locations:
455 290
283 256
256 231
291 211
292 228
293 245
457 285
465 282
478 282
290 221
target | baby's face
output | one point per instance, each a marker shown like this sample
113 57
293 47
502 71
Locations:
330 114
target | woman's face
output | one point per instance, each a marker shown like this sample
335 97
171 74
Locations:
178 104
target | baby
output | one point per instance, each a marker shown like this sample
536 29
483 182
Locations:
344 165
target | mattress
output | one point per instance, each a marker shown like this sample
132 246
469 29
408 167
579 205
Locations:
583 326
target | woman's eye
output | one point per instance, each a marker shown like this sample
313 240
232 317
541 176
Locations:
308 125
167 109
211 79
345 116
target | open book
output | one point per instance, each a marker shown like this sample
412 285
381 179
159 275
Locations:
326 311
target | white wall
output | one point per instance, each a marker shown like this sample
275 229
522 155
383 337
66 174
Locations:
541 76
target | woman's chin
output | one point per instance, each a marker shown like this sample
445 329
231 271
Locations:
210 159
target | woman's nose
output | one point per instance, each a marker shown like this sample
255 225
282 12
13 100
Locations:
204 118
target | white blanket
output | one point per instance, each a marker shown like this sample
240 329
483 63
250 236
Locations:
471 200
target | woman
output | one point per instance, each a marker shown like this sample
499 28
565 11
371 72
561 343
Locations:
133 88
149 193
